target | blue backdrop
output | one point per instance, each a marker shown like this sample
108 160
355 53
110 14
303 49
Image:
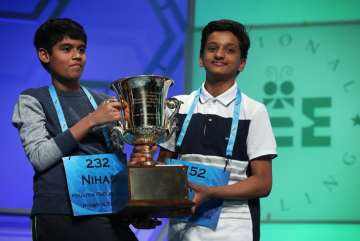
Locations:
124 38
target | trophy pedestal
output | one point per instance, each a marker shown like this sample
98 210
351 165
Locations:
158 191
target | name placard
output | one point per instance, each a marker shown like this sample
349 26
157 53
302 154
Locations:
97 184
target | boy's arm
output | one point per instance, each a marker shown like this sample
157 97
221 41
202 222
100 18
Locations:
105 113
257 185
43 150
261 149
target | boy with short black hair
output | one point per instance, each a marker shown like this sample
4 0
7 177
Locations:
224 134
57 121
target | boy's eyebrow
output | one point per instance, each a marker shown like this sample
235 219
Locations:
213 42
226 44
63 44
73 45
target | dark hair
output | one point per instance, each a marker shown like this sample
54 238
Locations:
227 25
55 30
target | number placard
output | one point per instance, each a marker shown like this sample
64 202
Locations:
97 184
209 211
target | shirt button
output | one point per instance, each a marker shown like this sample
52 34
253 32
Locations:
210 120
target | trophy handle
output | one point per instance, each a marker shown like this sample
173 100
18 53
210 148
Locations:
173 104
116 136
122 123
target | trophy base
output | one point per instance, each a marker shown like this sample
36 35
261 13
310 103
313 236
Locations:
165 209
158 191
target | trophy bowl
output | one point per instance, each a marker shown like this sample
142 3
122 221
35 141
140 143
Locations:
156 189
148 122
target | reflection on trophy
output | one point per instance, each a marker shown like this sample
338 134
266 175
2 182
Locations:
158 190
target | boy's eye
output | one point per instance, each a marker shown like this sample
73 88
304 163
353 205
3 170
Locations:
82 50
66 48
230 50
211 48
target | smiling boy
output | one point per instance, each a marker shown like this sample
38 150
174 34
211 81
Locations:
223 129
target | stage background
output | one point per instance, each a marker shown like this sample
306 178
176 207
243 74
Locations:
302 64
124 38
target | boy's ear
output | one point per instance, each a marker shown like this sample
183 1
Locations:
242 65
43 55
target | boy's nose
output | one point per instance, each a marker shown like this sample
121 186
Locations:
220 53
77 54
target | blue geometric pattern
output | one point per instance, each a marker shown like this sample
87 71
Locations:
157 62
34 13
124 38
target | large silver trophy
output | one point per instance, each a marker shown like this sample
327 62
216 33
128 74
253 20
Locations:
158 190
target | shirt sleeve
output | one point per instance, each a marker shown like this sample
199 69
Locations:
41 149
261 140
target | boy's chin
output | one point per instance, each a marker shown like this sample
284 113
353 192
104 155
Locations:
74 76
68 79
220 76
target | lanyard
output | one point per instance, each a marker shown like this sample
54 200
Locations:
61 116
234 123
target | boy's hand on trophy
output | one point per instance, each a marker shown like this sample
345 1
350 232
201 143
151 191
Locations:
202 193
142 153
109 111
125 108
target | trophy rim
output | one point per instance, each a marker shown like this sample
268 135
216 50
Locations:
143 75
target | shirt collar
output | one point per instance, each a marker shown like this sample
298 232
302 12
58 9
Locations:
225 98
